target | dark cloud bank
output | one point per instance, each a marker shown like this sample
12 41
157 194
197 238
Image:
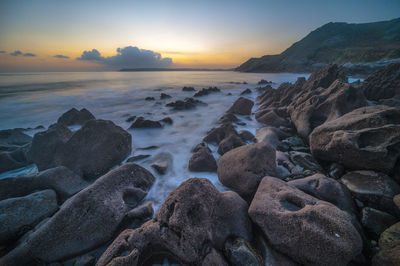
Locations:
61 56
128 57
18 52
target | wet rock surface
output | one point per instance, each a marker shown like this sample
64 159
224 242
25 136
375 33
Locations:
75 117
308 230
241 106
77 223
194 221
243 168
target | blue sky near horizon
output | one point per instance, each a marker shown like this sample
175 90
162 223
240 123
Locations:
190 33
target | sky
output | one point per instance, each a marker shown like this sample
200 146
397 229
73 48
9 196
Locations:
97 35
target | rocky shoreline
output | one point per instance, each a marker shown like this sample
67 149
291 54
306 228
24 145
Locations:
318 184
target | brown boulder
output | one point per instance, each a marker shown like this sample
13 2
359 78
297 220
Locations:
366 138
389 244
202 160
308 230
75 117
242 169
376 190
383 84
230 142
87 220
95 148
194 221
241 106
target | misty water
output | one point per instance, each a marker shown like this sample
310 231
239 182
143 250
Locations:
30 100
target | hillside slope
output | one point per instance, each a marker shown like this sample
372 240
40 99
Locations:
334 43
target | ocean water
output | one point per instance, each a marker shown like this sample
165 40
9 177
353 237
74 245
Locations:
30 100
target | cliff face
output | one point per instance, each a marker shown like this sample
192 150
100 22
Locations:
334 43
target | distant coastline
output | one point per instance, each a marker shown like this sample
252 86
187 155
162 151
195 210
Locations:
172 69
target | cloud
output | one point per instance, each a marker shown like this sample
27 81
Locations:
128 57
29 54
16 53
93 55
61 56
2 52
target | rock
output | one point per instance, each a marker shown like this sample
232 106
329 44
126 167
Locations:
366 138
204 91
324 77
286 170
13 138
188 89
389 244
263 81
268 135
47 145
131 119
323 188
138 157
194 220
216 135
60 179
396 200
86 260
95 148
246 91
241 106
87 220
336 170
240 252
230 142
160 167
144 123
188 103
167 120
383 84
375 221
202 160
75 117
295 144
165 96
321 105
228 118
308 230
150 99
376 190
242 169
19 215
246 135
214 258
306 162
10 160
272 119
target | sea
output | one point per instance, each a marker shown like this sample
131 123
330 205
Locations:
28 100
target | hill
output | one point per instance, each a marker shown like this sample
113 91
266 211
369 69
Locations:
334 43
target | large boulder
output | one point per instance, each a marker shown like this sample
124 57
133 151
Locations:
383 84
376 190
242 169
202 160
241 106
389 244
87 220
216 135
273 119
310 231
10 160
366 138
324 104
230 142
19 215
326 189
60 179
13 138
47 145
95 148
75 117
193 223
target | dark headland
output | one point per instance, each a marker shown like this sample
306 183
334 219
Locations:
360 48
